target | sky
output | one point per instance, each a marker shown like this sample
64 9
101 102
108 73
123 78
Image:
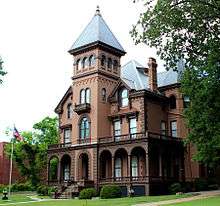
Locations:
35 36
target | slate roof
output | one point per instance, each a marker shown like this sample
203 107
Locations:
97 31
133 75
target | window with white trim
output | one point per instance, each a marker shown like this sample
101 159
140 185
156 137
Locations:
134 166
67 135
117 129
173 128
118 172
124 97
133 127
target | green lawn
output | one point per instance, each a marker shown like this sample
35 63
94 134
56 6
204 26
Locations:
212 201
110 202
15 198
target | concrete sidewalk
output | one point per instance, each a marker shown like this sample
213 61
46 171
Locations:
198 196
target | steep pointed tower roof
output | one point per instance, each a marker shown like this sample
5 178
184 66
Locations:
96 32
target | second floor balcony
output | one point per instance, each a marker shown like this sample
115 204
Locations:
82 108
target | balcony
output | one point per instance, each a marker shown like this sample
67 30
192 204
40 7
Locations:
137 136
84 141
82 108
58 146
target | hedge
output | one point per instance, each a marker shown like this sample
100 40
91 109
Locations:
110 191
87 193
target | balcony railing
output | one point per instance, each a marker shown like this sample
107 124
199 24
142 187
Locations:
58 146
124 179
84 141
81 108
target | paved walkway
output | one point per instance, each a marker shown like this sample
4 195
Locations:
198 195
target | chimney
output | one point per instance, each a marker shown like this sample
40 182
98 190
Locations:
152 73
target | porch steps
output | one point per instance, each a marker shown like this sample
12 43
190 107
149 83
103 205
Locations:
69 192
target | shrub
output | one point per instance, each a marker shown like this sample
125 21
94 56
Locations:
111 191
201 184
87 193
42 190
187 186
2 187
175 188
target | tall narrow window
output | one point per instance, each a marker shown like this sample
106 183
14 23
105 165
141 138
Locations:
69 111
84 128
67 135
87 100
134 166
115 66
124 97
172 102
118 167
78 65
117 129
173 128
163 127
85 62
66 172
91 61
103 61
82 96
133 127
109 63
104 95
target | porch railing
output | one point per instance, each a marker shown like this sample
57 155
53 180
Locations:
58 146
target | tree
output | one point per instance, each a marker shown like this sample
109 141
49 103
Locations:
189 30
30 155
2 72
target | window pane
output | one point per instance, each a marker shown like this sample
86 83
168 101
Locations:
87 95
124 98
134 166
174 129
118 167
67 135
82 96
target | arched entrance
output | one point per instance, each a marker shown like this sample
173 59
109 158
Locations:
106 164
84 166
65 167
53 169
138 162
121 163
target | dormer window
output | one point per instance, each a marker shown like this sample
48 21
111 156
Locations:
69 111
103 61
172 101
109 63
124 97
91 61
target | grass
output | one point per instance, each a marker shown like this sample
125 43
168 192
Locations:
212 201
15 198
96 202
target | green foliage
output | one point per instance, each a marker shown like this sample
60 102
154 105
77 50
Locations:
181 30
2 187
42 190
110 191
53 168
2 72
201 184
175 188
88 193
30 155
22 187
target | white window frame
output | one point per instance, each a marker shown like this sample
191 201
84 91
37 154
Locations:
173 128
67 136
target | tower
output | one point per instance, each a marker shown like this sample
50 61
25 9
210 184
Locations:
96 71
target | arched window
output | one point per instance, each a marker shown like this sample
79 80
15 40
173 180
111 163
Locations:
78 64
118 172
104 95
124 97
69 111
85 62
103 61
91 61
82 96
134 166
172 101
115 65
109 63
87 98
84 128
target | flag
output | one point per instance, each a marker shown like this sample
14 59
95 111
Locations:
17 135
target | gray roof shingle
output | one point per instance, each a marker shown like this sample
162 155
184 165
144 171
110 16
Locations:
97 30
133 75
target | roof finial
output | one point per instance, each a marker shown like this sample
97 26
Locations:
98 11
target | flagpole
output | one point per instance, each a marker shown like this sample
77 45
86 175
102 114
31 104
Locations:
11 168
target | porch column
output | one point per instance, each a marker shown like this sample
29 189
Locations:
147 173
59 172
113 168
129 167
160 165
